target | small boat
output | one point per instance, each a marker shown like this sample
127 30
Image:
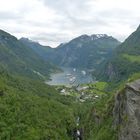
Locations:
74 69
83 72
68 74
72 80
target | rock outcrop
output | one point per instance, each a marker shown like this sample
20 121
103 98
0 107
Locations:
127 112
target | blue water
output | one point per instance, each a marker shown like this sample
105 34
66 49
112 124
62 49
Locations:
64 79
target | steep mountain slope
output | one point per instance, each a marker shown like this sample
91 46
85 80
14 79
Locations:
38 48
125 60
29 108
18 58
84 51
32 110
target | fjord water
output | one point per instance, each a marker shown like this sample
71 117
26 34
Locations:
80 76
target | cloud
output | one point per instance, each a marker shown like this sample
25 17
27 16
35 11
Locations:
51 38
52 22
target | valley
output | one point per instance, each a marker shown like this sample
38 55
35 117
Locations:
69 70
86 89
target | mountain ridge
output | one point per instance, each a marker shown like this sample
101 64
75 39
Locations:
85 48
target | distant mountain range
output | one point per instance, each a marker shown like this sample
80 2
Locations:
82 52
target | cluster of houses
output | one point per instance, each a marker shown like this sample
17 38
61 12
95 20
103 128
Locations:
81 91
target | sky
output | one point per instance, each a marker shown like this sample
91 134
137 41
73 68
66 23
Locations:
51 22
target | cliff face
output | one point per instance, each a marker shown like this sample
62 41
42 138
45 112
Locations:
110 72
127 112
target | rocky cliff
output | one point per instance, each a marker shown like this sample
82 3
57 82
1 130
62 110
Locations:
127 112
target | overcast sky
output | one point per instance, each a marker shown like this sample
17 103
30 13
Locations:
52 22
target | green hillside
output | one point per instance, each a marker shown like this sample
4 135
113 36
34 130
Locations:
124 62
32 110
16 58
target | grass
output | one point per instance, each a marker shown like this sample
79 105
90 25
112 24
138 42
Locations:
99 87
134 76
132 58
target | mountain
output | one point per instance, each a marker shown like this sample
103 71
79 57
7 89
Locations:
16 57
38 48
125 60
84 51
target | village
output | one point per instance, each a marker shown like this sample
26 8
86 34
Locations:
85 92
